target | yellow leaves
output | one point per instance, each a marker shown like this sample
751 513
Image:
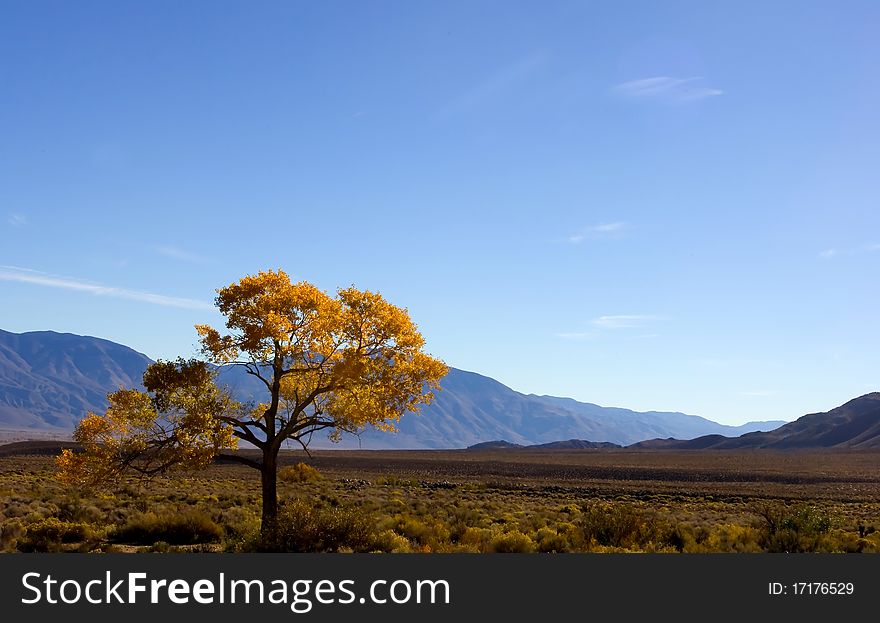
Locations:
180 426
371 320
70 467
355 359
265 308
92 427
219 349
129 410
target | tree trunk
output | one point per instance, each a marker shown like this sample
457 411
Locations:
269 477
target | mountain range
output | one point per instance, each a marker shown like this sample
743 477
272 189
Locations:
49 381
855 424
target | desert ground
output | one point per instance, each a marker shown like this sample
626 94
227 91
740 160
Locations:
462 501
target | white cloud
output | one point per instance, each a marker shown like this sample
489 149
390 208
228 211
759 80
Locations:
612 323
597 231
26 275
827 254
666 89
624 321
605 228
17 220
759 393
179 254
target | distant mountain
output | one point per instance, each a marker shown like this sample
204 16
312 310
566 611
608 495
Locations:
473 408
499 444
51 380
571 444
575 444
855 424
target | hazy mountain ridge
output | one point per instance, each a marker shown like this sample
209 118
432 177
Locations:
51 380
855 424
569 444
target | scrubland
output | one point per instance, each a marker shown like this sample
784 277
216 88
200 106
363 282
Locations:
464 501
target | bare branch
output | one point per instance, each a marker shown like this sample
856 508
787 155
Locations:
304 445
241 459
255 371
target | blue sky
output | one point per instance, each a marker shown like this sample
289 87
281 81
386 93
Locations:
650 205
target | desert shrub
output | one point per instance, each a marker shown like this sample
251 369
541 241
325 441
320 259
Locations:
301 472
239 522
621 526
430 533
72 508
301 527
182 528
800 529
848 542
390 541
723 538
48 535
549 540
512 542
733 538
872 543
15 509
865 530
475 539
685 538
11 531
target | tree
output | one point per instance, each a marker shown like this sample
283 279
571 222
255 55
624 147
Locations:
336 363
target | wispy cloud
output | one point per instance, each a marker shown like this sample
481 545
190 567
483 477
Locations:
605 228
604 324
505 79
666 89
17 220
602 230
179 254
828 254
759 393
26 275
624 321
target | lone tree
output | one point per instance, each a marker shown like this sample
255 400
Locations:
336 363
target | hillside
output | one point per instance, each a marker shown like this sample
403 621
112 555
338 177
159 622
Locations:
855 424
51 380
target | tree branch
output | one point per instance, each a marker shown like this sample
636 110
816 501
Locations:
240 459
304 446
292 425
255 371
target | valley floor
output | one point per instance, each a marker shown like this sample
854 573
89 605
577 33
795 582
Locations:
470 501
